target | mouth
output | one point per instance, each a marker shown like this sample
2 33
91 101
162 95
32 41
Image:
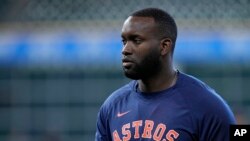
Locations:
127 63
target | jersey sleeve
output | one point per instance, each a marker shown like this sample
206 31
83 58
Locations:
216 121
211 114
217 128
102 127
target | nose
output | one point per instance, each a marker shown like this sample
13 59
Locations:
127 50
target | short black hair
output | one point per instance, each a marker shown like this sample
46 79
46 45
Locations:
166 23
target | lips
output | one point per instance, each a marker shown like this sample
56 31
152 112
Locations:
126 62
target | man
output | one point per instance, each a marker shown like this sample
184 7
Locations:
161 103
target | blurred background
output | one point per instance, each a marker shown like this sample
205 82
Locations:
60 59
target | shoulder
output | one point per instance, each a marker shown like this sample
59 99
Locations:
192 83
203 99
106 110
117 96
209 109
193 86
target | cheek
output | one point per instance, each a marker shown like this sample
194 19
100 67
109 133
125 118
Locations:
148 50
151 57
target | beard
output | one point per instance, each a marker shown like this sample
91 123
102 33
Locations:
146 68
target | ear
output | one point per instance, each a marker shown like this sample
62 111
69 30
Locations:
166 46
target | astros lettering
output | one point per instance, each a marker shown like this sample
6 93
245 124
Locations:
150 131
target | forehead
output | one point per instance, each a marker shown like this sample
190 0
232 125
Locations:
138 25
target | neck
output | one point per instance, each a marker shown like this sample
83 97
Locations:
166 78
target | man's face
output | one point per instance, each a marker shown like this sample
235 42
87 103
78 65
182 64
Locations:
141 48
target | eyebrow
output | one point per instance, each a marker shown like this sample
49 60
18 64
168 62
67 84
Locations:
131 36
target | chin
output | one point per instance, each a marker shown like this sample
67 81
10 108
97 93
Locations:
133 76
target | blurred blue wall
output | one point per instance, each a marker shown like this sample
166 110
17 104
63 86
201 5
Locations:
76 49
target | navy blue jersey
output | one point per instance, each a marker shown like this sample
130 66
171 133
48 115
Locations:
188 111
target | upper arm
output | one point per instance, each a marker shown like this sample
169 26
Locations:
102 132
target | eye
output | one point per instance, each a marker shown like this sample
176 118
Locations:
124 41
137 40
